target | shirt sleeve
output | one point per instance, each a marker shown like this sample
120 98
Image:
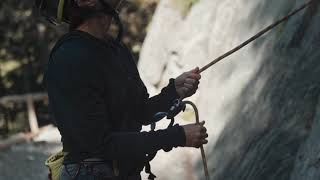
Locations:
159 103
75 94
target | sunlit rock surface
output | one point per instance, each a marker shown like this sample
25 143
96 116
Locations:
259 104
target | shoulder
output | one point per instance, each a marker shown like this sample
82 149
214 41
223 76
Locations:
72 44
79 53
78 48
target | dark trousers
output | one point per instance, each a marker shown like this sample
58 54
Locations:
91 171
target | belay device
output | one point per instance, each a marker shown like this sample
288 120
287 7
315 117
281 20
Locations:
174 110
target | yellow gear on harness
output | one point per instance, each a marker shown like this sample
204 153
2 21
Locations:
55 163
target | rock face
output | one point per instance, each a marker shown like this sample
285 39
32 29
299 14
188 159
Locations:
308 158
260 104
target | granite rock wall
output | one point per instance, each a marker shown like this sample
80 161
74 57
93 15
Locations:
260 104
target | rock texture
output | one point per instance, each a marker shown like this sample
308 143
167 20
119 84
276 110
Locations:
308 158
260 104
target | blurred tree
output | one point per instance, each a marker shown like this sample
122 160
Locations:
26 40
136 15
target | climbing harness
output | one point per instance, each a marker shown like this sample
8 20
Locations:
55 165
180 105
175 109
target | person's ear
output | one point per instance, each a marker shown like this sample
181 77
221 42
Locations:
87 3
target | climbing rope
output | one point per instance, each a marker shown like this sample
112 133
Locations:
255 37
175 109
203 155
180 105
220 58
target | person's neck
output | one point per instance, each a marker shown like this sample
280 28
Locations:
95 28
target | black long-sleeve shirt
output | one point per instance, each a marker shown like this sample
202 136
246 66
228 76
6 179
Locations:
100 103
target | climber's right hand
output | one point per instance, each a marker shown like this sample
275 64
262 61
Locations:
196 135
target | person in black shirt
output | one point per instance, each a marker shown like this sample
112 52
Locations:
100 103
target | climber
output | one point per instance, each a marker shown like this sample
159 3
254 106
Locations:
98 100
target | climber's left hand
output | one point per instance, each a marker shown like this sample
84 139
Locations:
187 83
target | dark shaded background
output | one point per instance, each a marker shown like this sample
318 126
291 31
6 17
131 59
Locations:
25 44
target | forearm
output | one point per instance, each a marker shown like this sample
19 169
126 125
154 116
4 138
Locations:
159 103
124 146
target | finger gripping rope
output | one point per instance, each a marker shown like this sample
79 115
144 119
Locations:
180 105
203 155
174 110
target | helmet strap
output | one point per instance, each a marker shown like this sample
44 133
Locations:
115 14
60 11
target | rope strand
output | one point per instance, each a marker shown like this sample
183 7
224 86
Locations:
262 32
203 155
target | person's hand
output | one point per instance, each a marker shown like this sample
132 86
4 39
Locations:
196 134
187 83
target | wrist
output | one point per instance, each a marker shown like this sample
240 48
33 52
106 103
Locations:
173 87
177 136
